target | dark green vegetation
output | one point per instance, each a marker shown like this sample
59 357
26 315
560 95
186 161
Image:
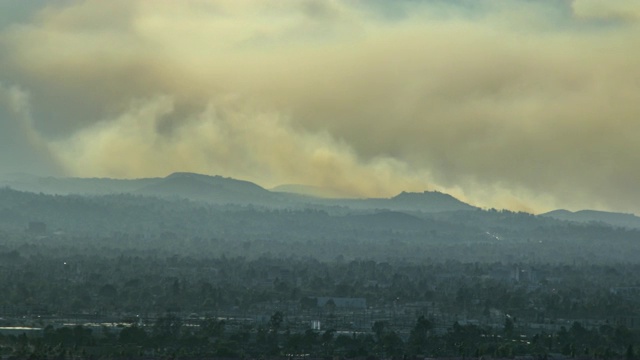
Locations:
590 216
111 304
320 231
127 275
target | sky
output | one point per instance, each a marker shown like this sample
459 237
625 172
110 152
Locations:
524 105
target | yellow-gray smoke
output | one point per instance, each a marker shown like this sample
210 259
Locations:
514 105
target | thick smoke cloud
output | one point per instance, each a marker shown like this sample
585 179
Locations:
21 148
526 105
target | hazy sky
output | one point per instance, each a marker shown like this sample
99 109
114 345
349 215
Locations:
524 104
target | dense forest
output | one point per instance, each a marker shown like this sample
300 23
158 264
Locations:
189 227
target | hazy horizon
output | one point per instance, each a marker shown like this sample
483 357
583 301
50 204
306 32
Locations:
521 105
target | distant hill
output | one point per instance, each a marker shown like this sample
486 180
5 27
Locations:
80 186
428 202
590 216
306 190
192 186
216 189
223 190
431 200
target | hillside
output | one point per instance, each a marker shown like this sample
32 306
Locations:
214 189
80 186
192 227
593 216
429 201
426 202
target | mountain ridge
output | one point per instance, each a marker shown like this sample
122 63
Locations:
227 190
426 201
223 190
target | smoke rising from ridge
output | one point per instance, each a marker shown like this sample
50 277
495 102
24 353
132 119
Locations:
529 105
